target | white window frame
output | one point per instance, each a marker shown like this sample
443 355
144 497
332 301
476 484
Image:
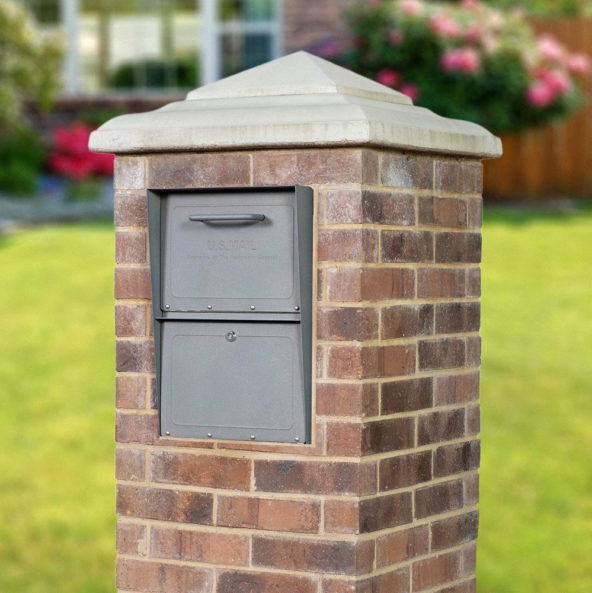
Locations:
213 29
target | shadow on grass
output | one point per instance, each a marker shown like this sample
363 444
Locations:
523 214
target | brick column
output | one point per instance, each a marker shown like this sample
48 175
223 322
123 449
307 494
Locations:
384 499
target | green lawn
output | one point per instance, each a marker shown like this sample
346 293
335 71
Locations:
56 397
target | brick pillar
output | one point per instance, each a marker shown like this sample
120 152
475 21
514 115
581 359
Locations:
384 499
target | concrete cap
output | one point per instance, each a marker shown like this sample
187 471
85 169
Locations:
299 100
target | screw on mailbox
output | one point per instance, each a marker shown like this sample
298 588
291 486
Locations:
167 306
209 307
252 437
231 336
252 307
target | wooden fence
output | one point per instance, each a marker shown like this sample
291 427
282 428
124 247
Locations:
555 161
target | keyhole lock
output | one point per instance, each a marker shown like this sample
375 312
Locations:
231 336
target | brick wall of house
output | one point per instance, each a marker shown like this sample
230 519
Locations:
384 499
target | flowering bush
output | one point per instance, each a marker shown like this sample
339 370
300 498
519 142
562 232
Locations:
463 60
71 157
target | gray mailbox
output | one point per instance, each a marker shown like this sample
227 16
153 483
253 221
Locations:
232 303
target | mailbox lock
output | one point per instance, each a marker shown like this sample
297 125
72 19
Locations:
231 336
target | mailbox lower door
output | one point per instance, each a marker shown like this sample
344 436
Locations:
233 380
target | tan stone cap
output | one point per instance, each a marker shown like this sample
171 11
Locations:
299 100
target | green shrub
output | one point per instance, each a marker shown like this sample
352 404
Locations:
22 156
156 74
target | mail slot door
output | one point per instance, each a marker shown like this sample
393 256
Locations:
230 252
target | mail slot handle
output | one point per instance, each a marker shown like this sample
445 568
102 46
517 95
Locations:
228 218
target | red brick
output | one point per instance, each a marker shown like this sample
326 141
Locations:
402 545
453 459
195 546
456 389
406 396
131 539
405 470
356 245
436 570
198 170
454 531
263 582
130 247
130 464
333 557
370 284
201 470
439 498
344 439
438 426
458 177
347 399
132 283
473 420
130 391
468 559
312 477
347 323
156 577
134 356
457 317
441 282
129 172
387 511
346 586
445 353
474 351
268 514
473 282
392 582
407 246
475 212
359 362
471 484
130 208
164 505
342 516
458 248
388 435
446 212
130 320
406 171
136 428
466 587
403 321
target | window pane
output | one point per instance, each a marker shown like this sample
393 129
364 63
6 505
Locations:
247 10
239 52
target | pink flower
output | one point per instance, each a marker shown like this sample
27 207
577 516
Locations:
550 48
474 33
556 80
410 90
330 49
540 94
578 63
461 60
469 4
444 26
395 37
388 77
411 7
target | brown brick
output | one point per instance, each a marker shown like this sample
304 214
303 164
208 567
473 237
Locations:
131 539
351 206
344 439
370 284
407 246
136 428
473 351
402 545
466 587
195 546
347 399
388 435
457 317
446 353
268 514
312 477
359 362
446 212
387 511
129 172
132 283
396 581
403 321
458 248
347 323
439 498
263 582
333 557
201 470
342 516
130 208
440 282
437 570
456 389
474 282
346 586
475 213
156 577
473 420
458 177
405 171
468 559
357 245
130 320
153 394
198 170
439 426
130 464
405 470
134 356
164 505
406 396
130 391
130 247
455 531
471 484
460 457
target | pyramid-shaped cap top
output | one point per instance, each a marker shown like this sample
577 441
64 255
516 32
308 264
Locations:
299 73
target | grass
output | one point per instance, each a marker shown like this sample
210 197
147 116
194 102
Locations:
56 372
